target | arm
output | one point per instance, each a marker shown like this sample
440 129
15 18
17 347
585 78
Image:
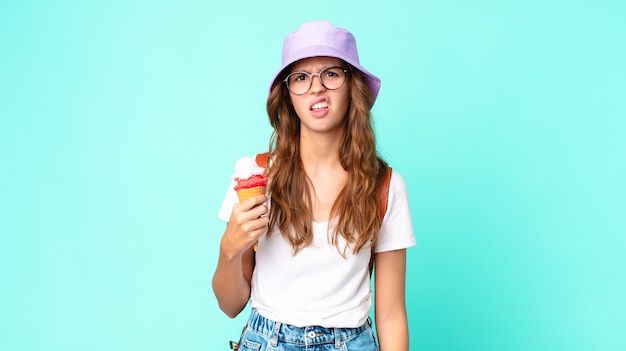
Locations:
231 281
390 309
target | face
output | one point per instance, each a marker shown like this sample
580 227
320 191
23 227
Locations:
321 110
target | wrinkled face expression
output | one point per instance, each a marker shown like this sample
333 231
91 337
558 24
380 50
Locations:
320 109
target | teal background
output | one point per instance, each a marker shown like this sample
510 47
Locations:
120 123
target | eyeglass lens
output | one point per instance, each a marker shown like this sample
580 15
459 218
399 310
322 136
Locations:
300 82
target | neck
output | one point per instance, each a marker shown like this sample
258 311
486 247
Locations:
319 149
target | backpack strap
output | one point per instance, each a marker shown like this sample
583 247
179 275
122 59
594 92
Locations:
383 194
383 200
261 160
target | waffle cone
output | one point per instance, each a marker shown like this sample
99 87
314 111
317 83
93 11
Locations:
245 194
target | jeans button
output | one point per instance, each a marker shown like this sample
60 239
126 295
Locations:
311 334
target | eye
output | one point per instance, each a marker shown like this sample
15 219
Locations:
298 77
333 72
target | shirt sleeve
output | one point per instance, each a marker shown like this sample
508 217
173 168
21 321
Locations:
396 231
229 201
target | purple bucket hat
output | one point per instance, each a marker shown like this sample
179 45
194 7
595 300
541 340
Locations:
320 38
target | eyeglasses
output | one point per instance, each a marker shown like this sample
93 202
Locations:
332 78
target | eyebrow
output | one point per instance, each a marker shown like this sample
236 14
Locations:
321 69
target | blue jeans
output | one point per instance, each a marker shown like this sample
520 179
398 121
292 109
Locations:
262 334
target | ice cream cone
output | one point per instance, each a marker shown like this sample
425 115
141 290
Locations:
245 194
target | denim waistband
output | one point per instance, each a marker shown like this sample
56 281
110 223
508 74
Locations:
311 335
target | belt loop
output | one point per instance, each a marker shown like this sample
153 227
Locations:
337 338
275 334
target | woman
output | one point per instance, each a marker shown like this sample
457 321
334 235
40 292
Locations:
309 280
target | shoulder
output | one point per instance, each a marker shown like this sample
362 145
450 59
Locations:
397 185
398 193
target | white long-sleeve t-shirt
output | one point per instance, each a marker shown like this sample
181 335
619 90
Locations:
319 286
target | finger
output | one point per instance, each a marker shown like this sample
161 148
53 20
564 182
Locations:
258 211
252 202
251 236
242 217
255 235
259 223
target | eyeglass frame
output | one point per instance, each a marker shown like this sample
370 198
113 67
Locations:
311 75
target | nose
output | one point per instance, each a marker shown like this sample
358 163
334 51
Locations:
316 84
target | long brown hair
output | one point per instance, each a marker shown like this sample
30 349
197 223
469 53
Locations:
354 214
